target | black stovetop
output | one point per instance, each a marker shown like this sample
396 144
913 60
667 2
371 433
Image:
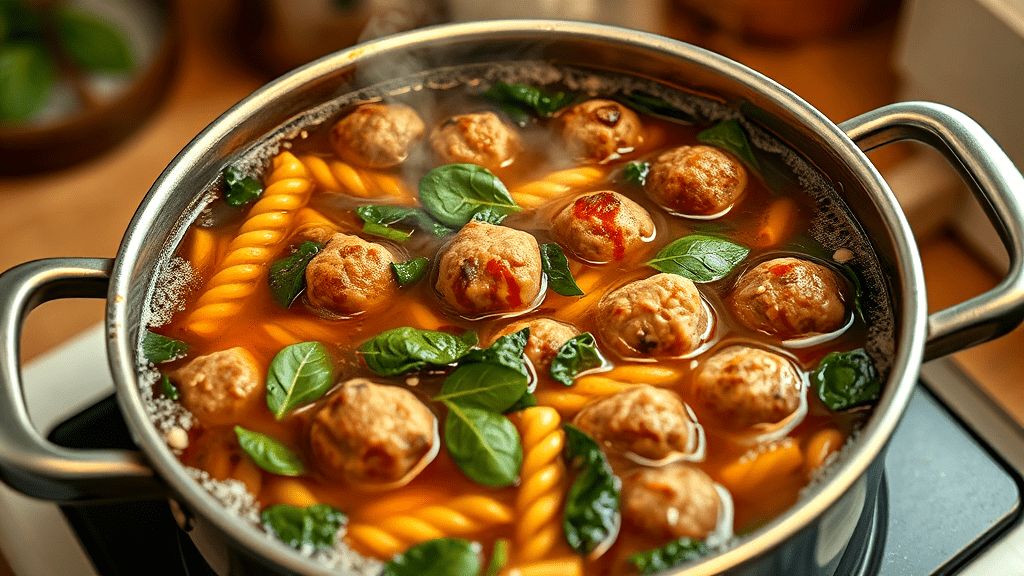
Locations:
946 495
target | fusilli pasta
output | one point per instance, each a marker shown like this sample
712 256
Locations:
556 184
542 487
337 176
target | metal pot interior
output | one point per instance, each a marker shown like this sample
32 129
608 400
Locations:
708 83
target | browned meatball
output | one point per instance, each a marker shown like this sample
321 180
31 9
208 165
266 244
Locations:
547 336
600 130
643 420
221 387
371 434
350 276
671 502
481 139
696 180
658 316
602 226
490 269
377 135
789 297
742 386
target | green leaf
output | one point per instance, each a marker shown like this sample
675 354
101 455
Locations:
403 349
437 557
316 525
485 386
655 107
672 554
591 516
520 101
19 21
846 379
506 351
382 231
730 136
300 373
576 356
26 77
700 258
411 272
158 349
556 268
636 172
287 276
455 193
92 43
269 454
384 215
241 189
527 400
499 557
484 445
168 388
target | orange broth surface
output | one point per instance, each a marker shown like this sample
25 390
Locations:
759 492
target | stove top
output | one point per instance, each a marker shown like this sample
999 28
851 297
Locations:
950 499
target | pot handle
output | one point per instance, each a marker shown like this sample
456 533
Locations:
28 462
997 184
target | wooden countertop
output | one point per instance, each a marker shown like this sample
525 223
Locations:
84 210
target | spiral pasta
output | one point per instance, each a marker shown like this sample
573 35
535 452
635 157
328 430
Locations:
257 241
556 184
542 488
337 176
461 516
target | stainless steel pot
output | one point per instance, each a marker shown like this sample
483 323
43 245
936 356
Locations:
808 539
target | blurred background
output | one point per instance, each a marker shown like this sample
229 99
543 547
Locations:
106 92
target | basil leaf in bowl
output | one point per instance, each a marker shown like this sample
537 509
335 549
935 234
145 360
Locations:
298 374
454 194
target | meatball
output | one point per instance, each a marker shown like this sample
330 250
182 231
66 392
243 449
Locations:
696 180
377 135
601 226
742 386
789 297
600 130
372 435
490 269
221 387
481 139
350 276
660 316
649 422
671 502
547 336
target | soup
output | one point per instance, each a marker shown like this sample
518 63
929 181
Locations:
571 328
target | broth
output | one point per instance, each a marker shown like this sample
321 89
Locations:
263 327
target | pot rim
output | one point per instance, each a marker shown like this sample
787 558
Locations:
909 336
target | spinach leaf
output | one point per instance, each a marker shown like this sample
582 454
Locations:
636 172
485 386
499 557
169 389
27 75
656 107
455 193
382 231
300 373
269 454
556 268
484 445
672 554
157 348
91 43
506 351
846 379
411 272
383 215
520 101
241 189
316 525
591 517
527 400
287 276
577 355
403 349
700 258
730 136
437 557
